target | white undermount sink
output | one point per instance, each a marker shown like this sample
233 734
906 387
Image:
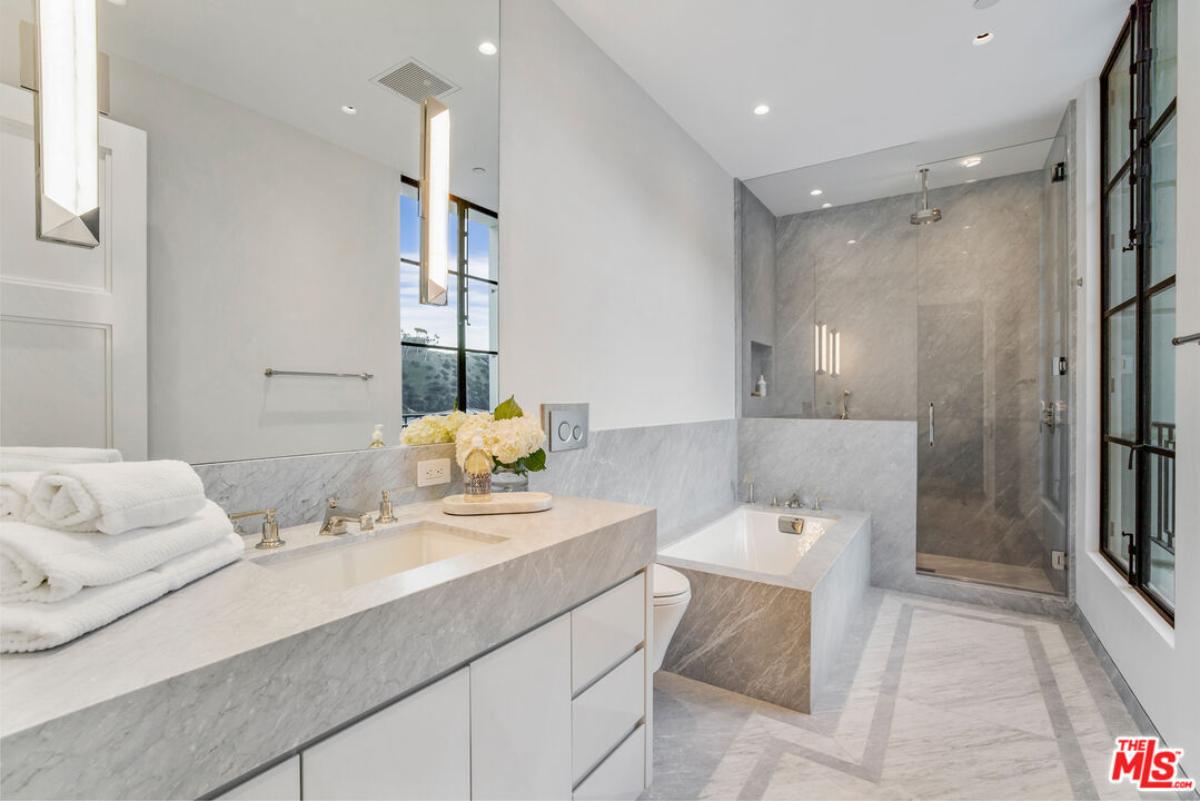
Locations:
347 563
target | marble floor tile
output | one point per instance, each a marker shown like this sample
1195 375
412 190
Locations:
931 699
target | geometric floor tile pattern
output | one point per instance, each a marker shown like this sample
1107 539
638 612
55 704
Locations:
931 700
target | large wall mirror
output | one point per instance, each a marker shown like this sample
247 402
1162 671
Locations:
259 170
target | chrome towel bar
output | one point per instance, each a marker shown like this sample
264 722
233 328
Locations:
1184 340
270 371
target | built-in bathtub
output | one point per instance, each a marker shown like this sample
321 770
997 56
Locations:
769 607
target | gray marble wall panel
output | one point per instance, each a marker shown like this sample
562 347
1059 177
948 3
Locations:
745 636
756 253
863 465
298 486
685 471
837 601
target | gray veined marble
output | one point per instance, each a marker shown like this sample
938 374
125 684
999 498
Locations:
298 486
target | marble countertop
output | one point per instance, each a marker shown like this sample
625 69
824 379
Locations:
241 667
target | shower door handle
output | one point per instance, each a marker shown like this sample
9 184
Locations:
931 424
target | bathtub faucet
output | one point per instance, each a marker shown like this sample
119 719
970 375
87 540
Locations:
794 502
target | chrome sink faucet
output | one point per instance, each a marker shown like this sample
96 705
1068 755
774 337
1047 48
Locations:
334 523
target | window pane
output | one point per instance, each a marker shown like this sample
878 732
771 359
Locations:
482 382
1119 509
1162 205
430 381
1122 263
1163 26
1161 381
410 224
482 319
1117 101
427 325
1121 342
1160 562
483 245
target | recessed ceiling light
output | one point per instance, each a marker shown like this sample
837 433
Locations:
487 48
982 4
982 39
970 180
479 170
826 205
761 109
816 192
972 161
851 241
351 110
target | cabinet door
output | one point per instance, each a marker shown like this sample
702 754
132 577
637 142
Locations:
521 717
417 748
280 783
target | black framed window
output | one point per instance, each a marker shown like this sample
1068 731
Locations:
450 353
1137 300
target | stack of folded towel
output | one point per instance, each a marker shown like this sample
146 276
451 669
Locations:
84 544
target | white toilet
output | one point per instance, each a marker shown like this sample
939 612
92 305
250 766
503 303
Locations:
672 591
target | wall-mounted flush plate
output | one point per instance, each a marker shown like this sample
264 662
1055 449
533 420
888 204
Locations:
432 472
566 425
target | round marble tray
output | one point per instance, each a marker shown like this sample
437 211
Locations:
502 503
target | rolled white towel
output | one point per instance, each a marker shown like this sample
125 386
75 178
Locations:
14 459
34 627
115 498
47 565
15 489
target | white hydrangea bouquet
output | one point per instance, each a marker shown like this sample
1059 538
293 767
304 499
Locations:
513 440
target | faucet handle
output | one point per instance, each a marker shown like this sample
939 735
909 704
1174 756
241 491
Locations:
270 527
386 514
331 502
818 499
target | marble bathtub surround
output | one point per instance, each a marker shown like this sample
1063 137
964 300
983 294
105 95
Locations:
253 667
685 471
298 486
769 636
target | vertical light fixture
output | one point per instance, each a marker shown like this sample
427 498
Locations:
67 123
435 201
821 348
835 345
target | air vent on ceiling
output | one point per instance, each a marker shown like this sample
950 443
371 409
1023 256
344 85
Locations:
414 80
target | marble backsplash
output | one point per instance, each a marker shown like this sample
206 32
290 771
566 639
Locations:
685 471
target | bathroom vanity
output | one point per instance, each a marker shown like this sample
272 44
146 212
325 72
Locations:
510 662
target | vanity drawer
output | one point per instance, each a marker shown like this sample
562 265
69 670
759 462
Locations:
607 629
606 712
622 775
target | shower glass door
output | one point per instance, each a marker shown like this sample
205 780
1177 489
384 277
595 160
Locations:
980 507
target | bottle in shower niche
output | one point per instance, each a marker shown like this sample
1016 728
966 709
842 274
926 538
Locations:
760 386
477 473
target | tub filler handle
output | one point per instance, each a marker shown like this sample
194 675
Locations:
791 525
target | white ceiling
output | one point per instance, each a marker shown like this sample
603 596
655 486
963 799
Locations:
847 77
300 62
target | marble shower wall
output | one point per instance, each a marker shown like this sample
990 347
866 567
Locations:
686 471
978 336
755 252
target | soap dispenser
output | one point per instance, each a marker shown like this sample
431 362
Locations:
477 473
377 437
760 386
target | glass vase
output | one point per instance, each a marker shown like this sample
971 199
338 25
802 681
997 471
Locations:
506 479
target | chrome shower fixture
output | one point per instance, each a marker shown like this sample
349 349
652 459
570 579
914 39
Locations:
925 215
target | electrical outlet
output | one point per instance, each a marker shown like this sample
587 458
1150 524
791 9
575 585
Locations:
432 472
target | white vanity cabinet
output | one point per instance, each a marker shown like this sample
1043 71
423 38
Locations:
557 713
280 783
521 717
417 748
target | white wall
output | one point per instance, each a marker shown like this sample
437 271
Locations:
617 279
1161 664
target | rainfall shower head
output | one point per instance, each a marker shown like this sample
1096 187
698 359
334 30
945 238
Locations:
925 215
